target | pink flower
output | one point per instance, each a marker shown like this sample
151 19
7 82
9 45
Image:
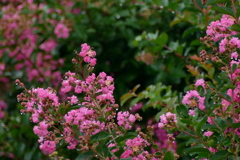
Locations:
127 153
193 99
138 141
200 82
74 100
3 105
208 133
48 147
136 107
220 29
61 31
160 125
210 120
2 68
48 45
88 54
213 150
125 119
167 120
191 112
2 114
41 130
234 55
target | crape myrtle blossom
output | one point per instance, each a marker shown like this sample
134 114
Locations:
95 112
220 29
208 133
191 112
61 31
167 120
125 119
193 99
23 42
229 45
135 148
88 54
200 82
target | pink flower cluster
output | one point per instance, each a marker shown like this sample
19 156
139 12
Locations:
229 45
61 31
135 148
167 120
38 104
104 91
44 106
193 99
95 113
48 147
23 42
87 126
220 29
125 119
200 82
88 54
163 140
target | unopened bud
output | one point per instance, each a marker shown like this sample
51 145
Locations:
138 117
74 61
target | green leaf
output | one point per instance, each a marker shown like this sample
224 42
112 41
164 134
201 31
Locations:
119 152
220 155
85 155
234 67
189 31
223 10
135 88
201 122
129 158
210 2
209 126
182 111
186 136
235 27
236 125
198 150
125 98
99 136
224 76
238 12
103 149
162 39
128 135
221 123
169 156
173 46
164 3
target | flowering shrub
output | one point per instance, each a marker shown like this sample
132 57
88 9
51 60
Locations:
211 125
22 41
85 124
91 125
80 119
206 124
